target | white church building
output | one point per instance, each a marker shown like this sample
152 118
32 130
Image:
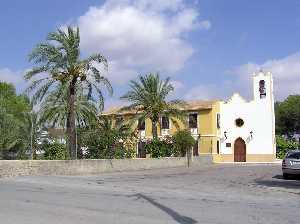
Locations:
247 129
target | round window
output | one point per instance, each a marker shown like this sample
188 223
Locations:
239 122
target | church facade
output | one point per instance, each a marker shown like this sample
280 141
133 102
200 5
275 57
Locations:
247 129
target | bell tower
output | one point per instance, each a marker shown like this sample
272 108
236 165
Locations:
264 99
263 86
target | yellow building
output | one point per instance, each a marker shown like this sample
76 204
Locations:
201 120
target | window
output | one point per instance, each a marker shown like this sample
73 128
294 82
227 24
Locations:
218 121
293 155
193 121
218 147
239 122
141 124
262 89
165 124
119 120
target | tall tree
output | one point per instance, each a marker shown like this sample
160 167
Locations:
287 114
148 96
54 109
58 62
12 110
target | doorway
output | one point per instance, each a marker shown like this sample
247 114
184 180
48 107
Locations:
141 150
239 150
195 149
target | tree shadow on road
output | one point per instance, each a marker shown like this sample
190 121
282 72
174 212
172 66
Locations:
175 215
278 181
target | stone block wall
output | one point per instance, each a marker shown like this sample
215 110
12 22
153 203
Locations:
10 168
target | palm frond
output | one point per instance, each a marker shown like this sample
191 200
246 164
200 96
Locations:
150 93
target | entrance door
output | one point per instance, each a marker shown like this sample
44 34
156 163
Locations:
195 149
239 150
141 150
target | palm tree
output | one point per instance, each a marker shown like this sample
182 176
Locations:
55 106
122 129
148 96
30 124
58 62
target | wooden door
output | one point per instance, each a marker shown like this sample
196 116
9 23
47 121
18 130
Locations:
195 149
239 150
141 150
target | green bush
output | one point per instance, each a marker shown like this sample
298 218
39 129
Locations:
55 151
284 145
103 140
119 153
130 153
182 141
159 148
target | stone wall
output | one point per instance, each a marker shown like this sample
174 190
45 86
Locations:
10 168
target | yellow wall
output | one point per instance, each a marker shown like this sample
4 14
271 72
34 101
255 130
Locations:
208 130
181 126
207 123
148 127
249 158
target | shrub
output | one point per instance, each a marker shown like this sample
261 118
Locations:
119 153
130 153
54 151
159 148
284 145
182 142
102 141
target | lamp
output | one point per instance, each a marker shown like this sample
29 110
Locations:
251 134
225 134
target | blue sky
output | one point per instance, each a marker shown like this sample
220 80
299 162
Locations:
208 47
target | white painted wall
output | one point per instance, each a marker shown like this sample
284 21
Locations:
258 116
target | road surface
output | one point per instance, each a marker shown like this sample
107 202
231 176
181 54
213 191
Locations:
211 194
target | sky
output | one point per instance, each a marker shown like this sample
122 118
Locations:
209 48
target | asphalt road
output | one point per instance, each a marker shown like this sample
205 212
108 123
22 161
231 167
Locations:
213 194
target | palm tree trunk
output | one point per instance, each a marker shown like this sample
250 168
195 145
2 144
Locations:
71 125
154 129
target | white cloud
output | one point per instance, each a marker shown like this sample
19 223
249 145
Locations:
203 92
177 84
286 75
140 35
152 5
14 77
